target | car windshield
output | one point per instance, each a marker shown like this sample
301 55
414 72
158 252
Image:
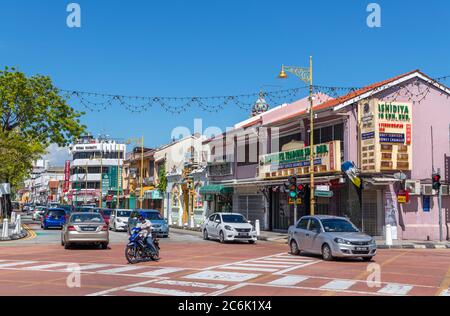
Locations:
106 212
56 213
84 209
337 225
123 213
233 218
153 216
90 217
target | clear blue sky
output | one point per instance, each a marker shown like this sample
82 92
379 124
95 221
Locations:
212 47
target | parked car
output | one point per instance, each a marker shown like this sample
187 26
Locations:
38 213
229 227
54 217
160 225
104 212
331 237
85 228
119 220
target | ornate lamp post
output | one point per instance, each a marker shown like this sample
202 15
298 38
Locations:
306 75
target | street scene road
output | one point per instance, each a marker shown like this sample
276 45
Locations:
191 266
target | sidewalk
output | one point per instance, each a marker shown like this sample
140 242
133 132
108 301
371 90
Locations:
381 244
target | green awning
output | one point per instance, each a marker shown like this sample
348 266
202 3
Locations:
215 189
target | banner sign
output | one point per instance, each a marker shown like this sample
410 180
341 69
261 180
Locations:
385 136
66 186
327 159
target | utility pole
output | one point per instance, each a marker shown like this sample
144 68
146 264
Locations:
100 202
141 198
86 184
118 176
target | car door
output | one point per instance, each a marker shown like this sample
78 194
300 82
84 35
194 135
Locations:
300 232
313 235
215 226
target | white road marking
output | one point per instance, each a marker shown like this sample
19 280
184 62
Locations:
338 285
120 288
193 284
296 267
119 270
289 280
161 271
222 276
257 265
235 267
88 267
445 293
13 264
395 289
277 262
47 266
150 290
229 289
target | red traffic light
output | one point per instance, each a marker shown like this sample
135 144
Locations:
436 178
300 187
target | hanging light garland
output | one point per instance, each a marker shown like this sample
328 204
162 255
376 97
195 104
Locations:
245 102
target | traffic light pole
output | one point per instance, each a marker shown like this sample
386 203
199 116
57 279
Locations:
441 236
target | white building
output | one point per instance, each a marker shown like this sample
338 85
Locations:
45 183
89 156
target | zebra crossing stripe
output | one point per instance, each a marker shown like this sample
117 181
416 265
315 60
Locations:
87 267
257 265
17 263
222 276
193 284
236 267
118 270
290 263
47 266
289 280
338 285
153 290
161 271
395 289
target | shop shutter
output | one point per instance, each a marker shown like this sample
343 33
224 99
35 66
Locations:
252 207
369 212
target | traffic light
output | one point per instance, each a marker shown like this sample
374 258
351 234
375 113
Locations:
301 191
436 179
292 187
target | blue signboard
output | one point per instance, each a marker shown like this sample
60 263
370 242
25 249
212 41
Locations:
392 138
368 135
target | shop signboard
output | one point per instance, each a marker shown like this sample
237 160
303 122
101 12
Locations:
327 194
293 201
327 159
66 185
385 136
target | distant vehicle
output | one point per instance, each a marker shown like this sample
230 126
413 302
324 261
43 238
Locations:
229 227
85 228
38 213
83 209
160 225
119 219
330 236
68 208
105 213
55 217
137 249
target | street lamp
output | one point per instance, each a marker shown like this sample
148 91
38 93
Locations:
306 75
140 142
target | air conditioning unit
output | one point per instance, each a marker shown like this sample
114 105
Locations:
427 189
413 187
445 189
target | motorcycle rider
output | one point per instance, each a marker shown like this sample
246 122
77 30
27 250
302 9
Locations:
146 231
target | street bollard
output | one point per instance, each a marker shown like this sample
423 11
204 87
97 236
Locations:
180 218
5 230
18 225
192 224
13 217
258 228
388 235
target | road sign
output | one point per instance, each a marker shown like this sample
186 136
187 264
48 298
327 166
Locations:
322 187
292 201
327 194
400 176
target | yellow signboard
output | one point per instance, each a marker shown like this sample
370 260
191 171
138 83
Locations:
292 201
401 198
385 136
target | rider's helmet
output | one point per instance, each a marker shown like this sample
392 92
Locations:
141 216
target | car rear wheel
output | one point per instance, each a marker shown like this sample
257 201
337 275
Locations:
66 245
294 248
221 237
326 253
205 235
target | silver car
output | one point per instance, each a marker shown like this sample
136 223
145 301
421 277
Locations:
85 228
330 236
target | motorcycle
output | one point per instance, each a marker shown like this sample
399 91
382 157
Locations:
137 250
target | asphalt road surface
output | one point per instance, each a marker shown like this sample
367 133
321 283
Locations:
190 266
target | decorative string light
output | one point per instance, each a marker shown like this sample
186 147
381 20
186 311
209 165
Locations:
245 102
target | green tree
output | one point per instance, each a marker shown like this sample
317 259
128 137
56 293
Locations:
162 184
33 108
32 116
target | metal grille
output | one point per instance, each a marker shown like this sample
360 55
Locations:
369 213
252 207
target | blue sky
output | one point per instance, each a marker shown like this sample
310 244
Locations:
206 47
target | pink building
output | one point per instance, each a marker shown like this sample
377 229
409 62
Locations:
384 128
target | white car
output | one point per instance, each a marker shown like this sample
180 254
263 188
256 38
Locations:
228 227
38 212
119 219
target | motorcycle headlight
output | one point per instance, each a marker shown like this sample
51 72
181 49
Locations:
342 241
227 227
